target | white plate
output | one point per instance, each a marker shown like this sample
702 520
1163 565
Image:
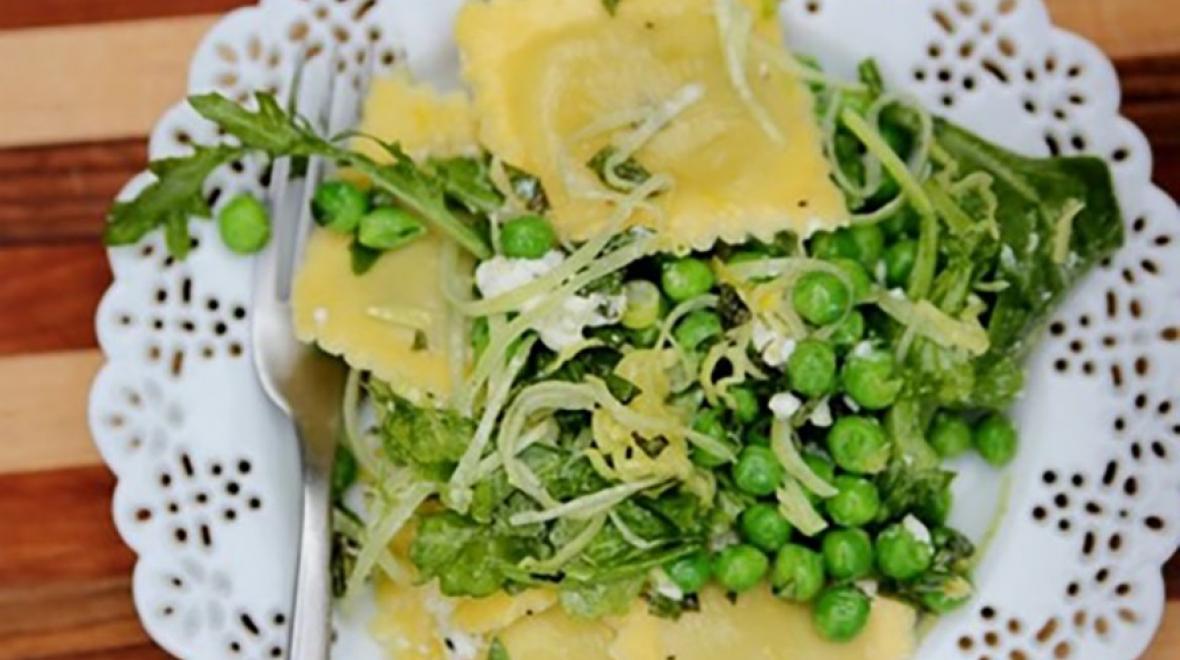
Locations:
207 470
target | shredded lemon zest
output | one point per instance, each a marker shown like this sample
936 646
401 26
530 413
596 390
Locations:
735 27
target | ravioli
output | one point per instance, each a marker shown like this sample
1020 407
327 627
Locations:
542 71
332 306
758 626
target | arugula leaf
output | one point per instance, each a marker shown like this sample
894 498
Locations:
268 129
175 195
427 439
1031 195
905 488
593 600
466 181
466 559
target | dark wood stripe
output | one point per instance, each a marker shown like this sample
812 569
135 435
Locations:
48 294
62 192
39 13
64 574
1151 98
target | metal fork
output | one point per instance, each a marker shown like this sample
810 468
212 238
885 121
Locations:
304 383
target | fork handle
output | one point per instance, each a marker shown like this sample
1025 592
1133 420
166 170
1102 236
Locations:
311 617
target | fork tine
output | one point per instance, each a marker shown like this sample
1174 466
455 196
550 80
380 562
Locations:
344 101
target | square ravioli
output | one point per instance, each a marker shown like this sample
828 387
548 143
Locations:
556 82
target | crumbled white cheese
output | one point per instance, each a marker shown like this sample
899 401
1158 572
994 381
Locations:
565 325
775 348
1008 259
500 275
723 541
821 416
863 349
897 292
868 586
784 405
664 585
916 529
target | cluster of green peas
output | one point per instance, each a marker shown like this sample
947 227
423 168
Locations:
376 222
822 573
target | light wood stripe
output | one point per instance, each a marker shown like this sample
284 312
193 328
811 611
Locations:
43 410
87 82
1123 28
121 76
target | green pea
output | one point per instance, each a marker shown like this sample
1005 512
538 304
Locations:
950 435
745 404
841 612
244 225
859 445
833 245
850 331
858 278
644 304
686 278
690 573
708 421
904 222
995 440
740 568
821 298
855 504
823 467
899 261
811 368
757 471
527 237
870 243
764 527
848 553
901 554
339 206
389 227
870 378
798 573
696 328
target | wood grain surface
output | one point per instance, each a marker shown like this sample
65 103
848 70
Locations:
71 139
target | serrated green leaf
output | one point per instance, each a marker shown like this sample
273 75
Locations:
178 192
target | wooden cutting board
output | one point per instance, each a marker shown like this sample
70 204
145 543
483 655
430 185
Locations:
78 103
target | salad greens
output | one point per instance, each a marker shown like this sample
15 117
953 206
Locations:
763 413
